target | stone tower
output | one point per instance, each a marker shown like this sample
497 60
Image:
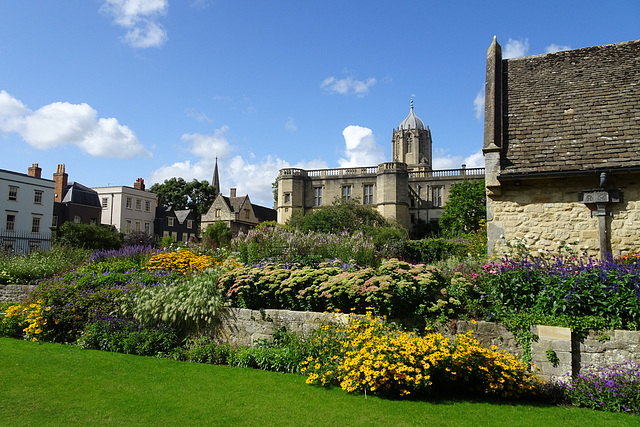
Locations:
411 142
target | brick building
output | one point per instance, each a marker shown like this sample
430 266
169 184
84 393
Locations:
562 148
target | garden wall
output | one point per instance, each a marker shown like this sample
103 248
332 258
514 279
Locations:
555 344
13 293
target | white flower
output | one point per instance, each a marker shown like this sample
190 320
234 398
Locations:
540 250
502 236
577 240
526 236
558 242
526 246
586 246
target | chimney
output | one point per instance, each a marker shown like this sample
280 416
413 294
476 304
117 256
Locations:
35 171
139 184
232 192
60 179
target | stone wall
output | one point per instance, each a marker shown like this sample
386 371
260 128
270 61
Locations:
13 293
547 211
244 327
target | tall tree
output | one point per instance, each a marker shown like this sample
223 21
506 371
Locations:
464 209
179 194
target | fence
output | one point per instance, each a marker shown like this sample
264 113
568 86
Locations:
23 242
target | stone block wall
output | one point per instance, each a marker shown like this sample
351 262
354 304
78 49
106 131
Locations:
13 293
547 211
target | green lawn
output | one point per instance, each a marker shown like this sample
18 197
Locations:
50 384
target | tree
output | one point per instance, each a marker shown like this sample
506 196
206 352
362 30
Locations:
465 208
88 236
179 194
339 216
219 233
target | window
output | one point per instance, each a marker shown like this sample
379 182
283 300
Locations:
185 237
138 204
105 202
35 224
170 221
218 213
54 221
165 233
368 194
138 225
13 192
287 197
77 219
127 226
346 193
37 197
246 213
436 197
189 223
147 227
317 196
128 203
11 223
147 206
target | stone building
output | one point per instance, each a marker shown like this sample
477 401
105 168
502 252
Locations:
562 149
406 190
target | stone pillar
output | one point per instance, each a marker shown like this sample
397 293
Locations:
393 192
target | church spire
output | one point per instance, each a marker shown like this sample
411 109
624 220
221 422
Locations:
216 179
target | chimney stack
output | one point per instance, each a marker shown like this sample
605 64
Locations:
232 192
60 179
35 171
139 184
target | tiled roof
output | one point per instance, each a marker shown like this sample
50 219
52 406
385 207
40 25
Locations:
576 110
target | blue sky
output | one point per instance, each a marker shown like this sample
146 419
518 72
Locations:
122 89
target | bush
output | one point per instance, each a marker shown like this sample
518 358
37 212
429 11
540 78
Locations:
27 269
219 234
191 306
77 297
437 249
614 388
284 246
88 236
396 288
121 335
23 321
370 355
139 238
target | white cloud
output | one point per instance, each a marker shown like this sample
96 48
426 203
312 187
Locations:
347 86
209 146
515 48
360 148
478 104
290 125
62 123
140 19
552 48
442 160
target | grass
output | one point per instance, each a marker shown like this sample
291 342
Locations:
52 384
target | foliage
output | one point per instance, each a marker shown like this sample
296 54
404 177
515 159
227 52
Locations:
284 246
179 194
190 306
435 249
557 286
139 238
219 233
340 216
464 209
121 335
613 388
27 269
183 261
396 288
121 259
77 297
88 236
24 320
371 355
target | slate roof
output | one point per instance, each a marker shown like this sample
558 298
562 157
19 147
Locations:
577 110
81 195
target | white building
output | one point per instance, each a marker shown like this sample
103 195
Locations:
26 205
128 208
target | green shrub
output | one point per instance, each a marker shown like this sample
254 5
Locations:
27 269
190 305
437 249
121 335
219 234
88 236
